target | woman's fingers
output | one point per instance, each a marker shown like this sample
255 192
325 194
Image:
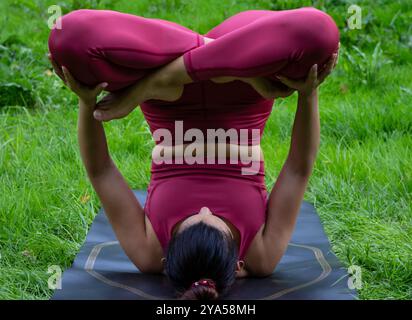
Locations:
106 102
110 114
99 88
329 67
56 68
313 78
336 60
70 81
337 56
313 75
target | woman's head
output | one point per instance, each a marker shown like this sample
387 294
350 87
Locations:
201 260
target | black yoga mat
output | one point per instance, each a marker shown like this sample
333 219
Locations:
308 270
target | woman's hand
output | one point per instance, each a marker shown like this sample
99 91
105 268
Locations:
56 67
117 105
86 94
313 80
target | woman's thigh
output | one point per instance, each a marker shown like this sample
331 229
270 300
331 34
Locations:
118 48
269 43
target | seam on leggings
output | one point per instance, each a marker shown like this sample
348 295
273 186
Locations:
200 40
143 51
187 59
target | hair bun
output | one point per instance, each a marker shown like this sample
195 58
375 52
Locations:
204 289
204 282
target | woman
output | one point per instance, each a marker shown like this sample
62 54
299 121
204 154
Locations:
203 224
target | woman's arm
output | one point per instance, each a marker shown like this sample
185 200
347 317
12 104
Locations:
287 194
120 204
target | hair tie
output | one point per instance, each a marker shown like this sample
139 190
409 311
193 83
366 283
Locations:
204 282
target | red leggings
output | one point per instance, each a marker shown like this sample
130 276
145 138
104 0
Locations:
117 48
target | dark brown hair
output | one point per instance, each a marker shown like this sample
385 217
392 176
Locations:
201 252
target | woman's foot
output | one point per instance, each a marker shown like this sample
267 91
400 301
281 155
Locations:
119 104
167 83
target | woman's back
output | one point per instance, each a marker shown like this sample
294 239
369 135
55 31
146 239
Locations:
177 191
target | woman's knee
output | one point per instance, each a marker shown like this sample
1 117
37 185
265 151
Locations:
316 29
69 45
303 28
74 35
308 36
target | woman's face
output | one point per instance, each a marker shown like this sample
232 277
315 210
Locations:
206 216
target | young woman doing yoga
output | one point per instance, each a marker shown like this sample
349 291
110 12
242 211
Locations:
203 224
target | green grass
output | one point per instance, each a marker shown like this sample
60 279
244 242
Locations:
362 182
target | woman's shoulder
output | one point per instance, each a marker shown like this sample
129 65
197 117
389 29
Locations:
256 258
153 246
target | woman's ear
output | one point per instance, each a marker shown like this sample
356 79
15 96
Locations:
240 266
163 261
240 269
